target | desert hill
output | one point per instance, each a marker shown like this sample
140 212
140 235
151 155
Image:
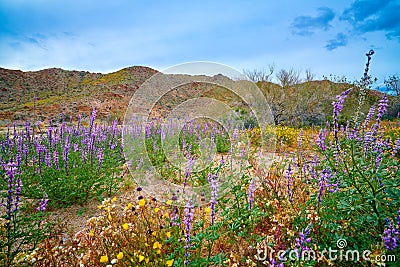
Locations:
61 94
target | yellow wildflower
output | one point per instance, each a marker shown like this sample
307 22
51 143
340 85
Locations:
154 233
142 202
169 202
120 255
208 210
166 215
109 217
91 233
156 209
141 258
168 234
114 199
125 226
170 262
157 245
128 206
104 258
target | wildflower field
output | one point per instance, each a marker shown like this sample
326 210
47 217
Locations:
329 197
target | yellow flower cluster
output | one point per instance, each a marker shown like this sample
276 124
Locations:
115 237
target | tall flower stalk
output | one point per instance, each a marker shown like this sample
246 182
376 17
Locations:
337 110
366 80
213 180
187 220
250 193
289 184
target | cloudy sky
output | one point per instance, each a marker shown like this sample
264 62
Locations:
328 37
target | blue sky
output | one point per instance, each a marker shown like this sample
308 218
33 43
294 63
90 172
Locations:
329 37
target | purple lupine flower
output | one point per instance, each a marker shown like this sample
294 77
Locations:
222 161
188 151
378 160
155 146
84 155
391 236
39 149
382 107
354 134
14 188
8 142
273 263
10 173
55 159
174 217
321 139
188 171
396 146
78 127
92 118
212 145
322 183
27 131
338 105
26 150
43 203
313 167
15 129
348 130
302 240
100 158
187 222
65 153
183 147
235 133
18 156
213 180
47 159
92 145
289 183
337 109
18 187
369 115
121 147
49 135
148 131
386 143
250 193
62 130
369 139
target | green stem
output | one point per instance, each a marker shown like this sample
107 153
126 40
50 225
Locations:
373 204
